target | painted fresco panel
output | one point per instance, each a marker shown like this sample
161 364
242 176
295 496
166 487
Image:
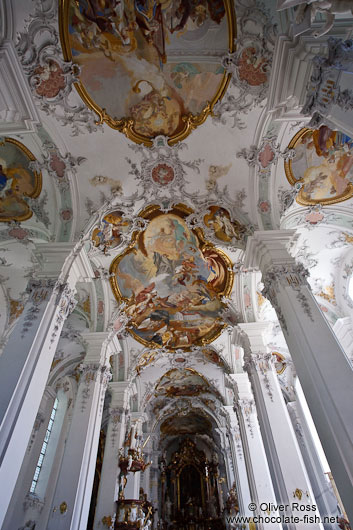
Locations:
323 164
17 181
193 423
107 235
146 60
184 382
172 283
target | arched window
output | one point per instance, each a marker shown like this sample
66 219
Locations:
49 446
44 447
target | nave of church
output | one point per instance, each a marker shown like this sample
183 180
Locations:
176 264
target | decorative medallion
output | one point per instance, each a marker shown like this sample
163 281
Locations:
172 282
253 66
108 235
50 79
280 362
323 164
18 182
163 174
146 67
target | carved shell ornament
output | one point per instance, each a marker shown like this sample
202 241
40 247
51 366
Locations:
142 53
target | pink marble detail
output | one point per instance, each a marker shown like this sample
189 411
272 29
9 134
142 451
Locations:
57 165
264 206
18 233
314 217
266 156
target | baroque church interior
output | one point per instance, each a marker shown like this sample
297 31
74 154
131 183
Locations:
176 264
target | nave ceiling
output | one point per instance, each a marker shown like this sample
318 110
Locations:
224 180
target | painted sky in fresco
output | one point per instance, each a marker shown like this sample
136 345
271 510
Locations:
171 286
324 164
149 61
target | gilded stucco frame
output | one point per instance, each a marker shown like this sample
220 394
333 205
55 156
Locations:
203 245
37 176
291 179
126 125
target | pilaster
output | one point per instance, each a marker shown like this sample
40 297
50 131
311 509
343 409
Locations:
290 478
258 472
24 368
239 464
108 487
74 487
323 369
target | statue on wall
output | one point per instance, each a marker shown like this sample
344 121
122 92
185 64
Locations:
232 503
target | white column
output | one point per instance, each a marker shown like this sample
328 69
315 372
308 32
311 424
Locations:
322 489
155 474
344 332
25 506
108 485
26 360
239 464
261 487
73 492
324 371
288 468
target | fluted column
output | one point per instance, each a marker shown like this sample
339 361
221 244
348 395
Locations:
323 368
27 357
261 487
108 486
289 474
73 491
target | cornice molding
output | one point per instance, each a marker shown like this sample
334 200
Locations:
18 113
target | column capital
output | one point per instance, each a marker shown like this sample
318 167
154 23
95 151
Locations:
266 248
69 260
242 386
51 258
261 361
255 332
119 394
96 347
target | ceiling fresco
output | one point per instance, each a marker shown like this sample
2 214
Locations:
192 423
181 382
213 357
162 58
224 228
108 235
172 282
323 165
18 181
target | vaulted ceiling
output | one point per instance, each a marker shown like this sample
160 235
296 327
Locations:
164 221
